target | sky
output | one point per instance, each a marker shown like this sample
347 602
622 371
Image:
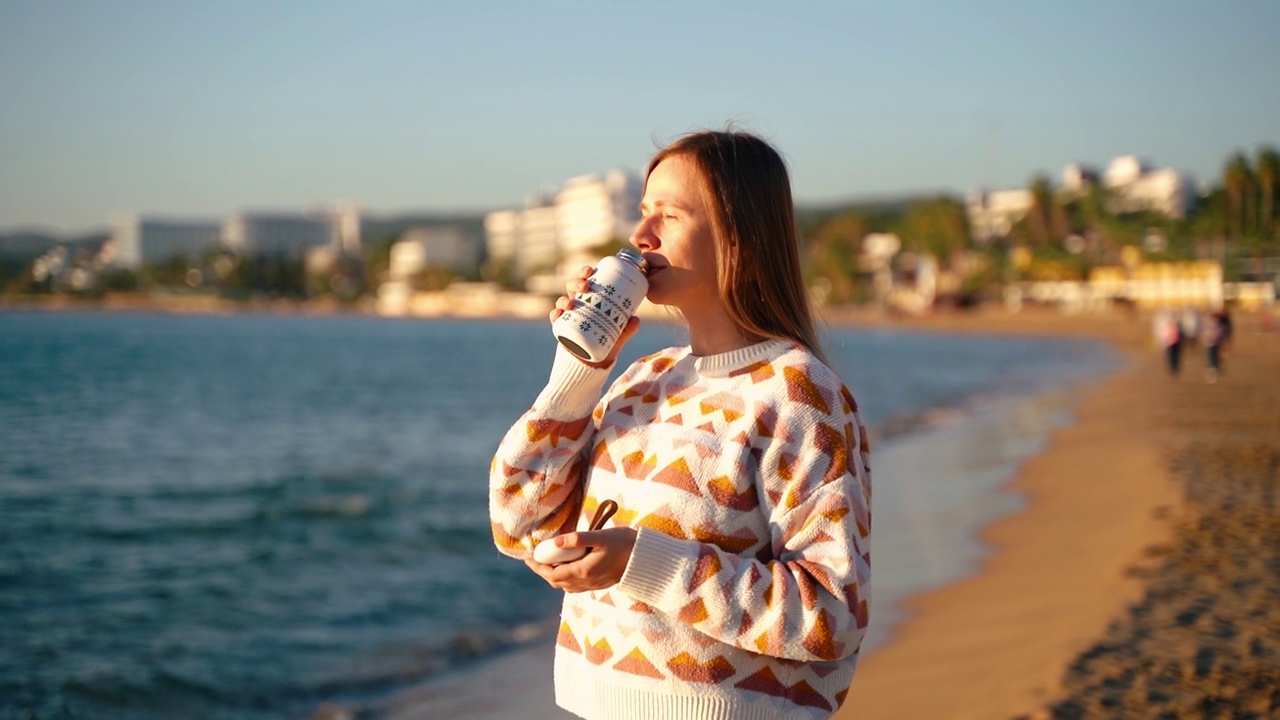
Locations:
203 109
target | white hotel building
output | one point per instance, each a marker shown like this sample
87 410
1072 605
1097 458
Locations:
993 213
566 228
592 210
1137 187
433 247
138 241
278 234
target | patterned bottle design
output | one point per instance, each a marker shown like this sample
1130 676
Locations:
593 325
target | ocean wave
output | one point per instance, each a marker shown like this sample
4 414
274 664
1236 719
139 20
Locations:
362 692
169 513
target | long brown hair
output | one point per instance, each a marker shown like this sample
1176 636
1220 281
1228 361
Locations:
753 221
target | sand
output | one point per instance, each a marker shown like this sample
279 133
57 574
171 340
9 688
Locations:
1204 641
1060 587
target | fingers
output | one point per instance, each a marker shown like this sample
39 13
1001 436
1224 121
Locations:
572 288
543 571
602 567
633 324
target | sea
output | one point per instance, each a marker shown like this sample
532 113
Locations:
285 516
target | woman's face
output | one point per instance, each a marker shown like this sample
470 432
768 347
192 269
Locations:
675 236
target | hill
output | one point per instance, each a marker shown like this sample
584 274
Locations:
29 245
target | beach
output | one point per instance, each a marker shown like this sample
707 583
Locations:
1141 578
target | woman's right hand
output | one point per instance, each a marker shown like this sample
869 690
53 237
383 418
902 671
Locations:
565 302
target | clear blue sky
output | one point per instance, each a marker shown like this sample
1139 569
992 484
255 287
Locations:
206 108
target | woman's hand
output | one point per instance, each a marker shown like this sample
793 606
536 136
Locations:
600 568
565 302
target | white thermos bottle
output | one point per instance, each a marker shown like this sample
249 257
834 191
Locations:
593 325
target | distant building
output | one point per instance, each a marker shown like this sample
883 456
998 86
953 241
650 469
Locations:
527 240
136 241
446 247
1078 179
592 210
1136 187
539 236
566 226
502 236
1131 186
993 213
279 234
347 222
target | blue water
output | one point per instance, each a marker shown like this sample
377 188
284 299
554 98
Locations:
253 516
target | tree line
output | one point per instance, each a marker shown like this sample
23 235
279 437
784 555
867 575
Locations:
1063 234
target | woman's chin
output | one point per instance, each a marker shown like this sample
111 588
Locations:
658 296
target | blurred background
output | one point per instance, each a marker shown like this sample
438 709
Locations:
260 492
239 151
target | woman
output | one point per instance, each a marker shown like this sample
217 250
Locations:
733 581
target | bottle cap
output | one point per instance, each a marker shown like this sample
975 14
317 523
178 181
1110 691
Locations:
635 258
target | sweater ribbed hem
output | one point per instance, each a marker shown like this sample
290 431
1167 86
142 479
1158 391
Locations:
574 387
581 692
656 562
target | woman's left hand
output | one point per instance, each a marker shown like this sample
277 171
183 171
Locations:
600 568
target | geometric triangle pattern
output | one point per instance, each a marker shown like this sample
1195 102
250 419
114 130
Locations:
747 477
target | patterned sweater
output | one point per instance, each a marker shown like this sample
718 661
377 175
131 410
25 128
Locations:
746 477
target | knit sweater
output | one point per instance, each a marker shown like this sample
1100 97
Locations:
746 477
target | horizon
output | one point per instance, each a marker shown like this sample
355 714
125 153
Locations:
182 112
397 214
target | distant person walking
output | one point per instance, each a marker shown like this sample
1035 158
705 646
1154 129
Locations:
1168 336
1191 325
1216 336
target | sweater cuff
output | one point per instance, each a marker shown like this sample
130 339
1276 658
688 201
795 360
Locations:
574 387
656 564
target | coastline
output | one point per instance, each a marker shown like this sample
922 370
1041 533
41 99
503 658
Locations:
995 645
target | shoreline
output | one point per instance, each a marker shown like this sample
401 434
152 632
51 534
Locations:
995 644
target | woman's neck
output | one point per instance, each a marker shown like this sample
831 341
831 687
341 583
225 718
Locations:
712 331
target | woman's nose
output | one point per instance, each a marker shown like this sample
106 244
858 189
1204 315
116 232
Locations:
643 237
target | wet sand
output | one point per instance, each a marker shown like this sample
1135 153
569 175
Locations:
1143 578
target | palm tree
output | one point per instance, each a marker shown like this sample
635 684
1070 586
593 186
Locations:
1238 180
1041 214
1268 170
937 226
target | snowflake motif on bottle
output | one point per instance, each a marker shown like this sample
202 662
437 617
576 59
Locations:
626 303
